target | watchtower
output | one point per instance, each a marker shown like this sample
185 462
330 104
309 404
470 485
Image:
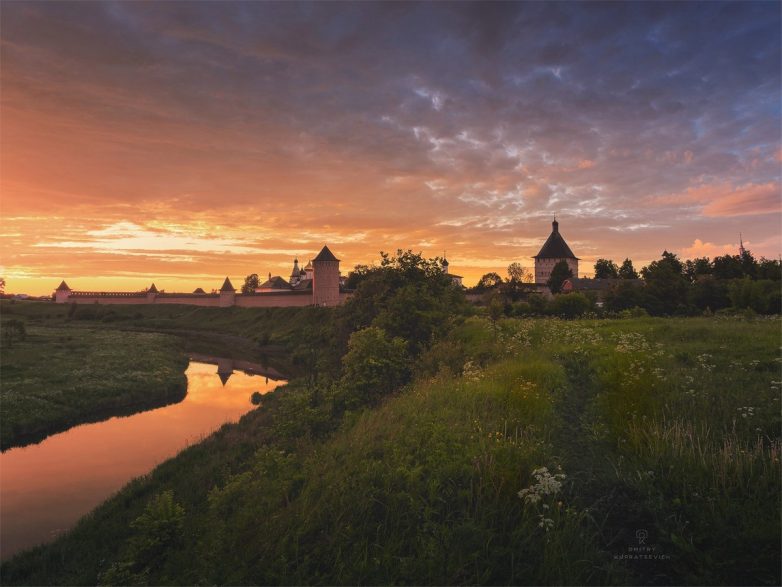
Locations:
325 279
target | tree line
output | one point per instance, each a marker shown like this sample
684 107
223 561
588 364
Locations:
667 286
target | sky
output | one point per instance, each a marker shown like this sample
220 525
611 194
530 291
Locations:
182 142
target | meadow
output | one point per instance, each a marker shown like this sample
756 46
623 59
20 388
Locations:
523 451
60 375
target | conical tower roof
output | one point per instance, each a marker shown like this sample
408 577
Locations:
152 289
227 286
63 286
555 246
325 255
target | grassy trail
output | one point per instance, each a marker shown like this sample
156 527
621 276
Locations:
617 509
670 427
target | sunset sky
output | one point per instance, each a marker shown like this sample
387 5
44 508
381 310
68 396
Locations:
182 142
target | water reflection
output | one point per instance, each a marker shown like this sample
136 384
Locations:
45 488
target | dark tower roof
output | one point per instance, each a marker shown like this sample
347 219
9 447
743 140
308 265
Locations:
224 377
275 282
325 255
227 286
199 290
152 289
63 286
555 246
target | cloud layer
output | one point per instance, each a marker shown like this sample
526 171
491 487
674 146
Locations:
222 137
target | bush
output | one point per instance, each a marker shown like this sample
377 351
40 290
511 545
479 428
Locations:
570 305
373 367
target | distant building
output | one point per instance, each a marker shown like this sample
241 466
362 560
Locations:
319 283
457 279
554 250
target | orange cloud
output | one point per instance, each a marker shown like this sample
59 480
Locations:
720 200
706 249
746 200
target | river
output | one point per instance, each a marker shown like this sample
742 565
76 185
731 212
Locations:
45 488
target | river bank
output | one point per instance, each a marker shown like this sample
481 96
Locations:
524 451
59 376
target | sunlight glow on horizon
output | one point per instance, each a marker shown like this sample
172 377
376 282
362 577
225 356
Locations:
170 143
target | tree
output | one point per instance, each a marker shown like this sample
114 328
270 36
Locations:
666 282
606 269
488 281
697 267
374 366
559 274
709 293
514 285
251 283
749 267
627 271
359 274
728 267
2 285
516 272
769 269
407 295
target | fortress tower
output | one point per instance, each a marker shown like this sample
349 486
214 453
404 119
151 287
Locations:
227 294
62 292
325 279
554 250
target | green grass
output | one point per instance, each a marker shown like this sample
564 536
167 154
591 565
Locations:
648 419
276 327
61 376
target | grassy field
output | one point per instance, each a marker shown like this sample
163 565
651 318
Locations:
82 363
268 327
643 451
60 376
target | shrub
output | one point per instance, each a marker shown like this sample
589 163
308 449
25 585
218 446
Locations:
570 305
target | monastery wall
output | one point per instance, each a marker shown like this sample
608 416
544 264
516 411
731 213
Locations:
264 300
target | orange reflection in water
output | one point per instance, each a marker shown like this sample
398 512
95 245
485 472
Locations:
45 488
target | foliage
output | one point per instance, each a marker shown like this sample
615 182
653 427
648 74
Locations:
488 281
359 274
251 283
695 268
605 269
627 271
156 532
515 285
666 283
761 296
86 373
373 367
569 306
516 272
666 425
407 296
559 274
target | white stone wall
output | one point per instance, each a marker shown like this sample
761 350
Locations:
543 268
